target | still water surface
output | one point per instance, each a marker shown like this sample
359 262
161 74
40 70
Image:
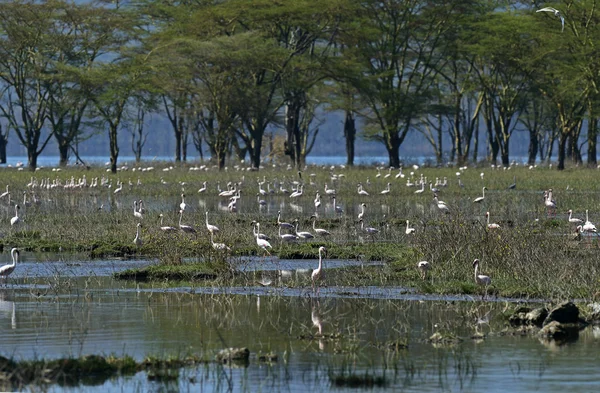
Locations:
57 308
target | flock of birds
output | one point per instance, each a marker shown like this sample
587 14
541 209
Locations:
289 232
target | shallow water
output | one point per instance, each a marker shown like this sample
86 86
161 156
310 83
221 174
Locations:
49 310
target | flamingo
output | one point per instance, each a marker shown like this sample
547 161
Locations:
362 211
588 227
262 243
481 279
514 184
409 230
421 190
218 246
203 188
574 220
182 205
369 230
491 226
317 200
298 193
185 228
211 228
136 212
256 233
482 197
441 204
549 202
165 228
319 231
15 220
387 190
556 13
424 266
317 274
283 224
362 192
336 207
287 237
5 193
303 235
329 191
6 270
138 235
141 207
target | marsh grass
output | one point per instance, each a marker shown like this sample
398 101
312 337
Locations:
532 255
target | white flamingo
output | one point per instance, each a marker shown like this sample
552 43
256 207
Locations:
185 228
6 270
361 191
203 188
441 205
138 236
319 231
136 212
409 230
387 190
16 220
421 190
424 266
211 228
556 13
218 246
329 191
281 224
574 220
481 279
361 215
317 200
165 228
482 197
262 243
337 208
256 233
5 193
182 205
303 235
317 274
369 230
287 237
491 226
298 193
141 207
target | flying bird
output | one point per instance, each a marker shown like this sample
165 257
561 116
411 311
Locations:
556 13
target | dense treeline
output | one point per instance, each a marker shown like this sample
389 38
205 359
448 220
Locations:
223 72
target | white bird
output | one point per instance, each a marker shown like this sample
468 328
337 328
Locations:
287 237
362 211
409 230
136 212
256 233
141 207
182 205
218 246
303 235
556 13
369 230
481 279
319 231
481 198
421 190
6 270
185 228
165 228
329 191
361 191
337 208
203 188
387 190
441 204
15 220
317 274
573 219
491 226
423 266
549 202
588 227
138 235
5 194
298 193
283 224
317 200
262 243
211 228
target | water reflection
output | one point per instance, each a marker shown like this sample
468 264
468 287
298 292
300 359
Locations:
8 307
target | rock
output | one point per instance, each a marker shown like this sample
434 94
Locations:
562 332
233 355
526 316
566 312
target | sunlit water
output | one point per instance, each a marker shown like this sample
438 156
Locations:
61 308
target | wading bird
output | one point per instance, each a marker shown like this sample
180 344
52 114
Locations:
303 235
218 246
481 198
424 266
15 220
211 228
319 231
136 212
491 226
318 274
165 228
6 270
262 243
574 220
138 236
481 279
409 230
185 228
283 224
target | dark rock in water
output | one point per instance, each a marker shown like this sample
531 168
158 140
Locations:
561 332
233 355
527 316
566 312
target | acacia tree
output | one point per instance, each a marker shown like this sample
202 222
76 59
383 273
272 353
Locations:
24 67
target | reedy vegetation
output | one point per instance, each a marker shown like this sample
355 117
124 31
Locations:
531 255
222 73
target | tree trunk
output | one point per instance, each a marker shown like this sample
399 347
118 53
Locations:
533 147
63 152
3 143
504 156
562 151
393 148
255 149
476 144
592 137
32 156
178 145
350 135
114 148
